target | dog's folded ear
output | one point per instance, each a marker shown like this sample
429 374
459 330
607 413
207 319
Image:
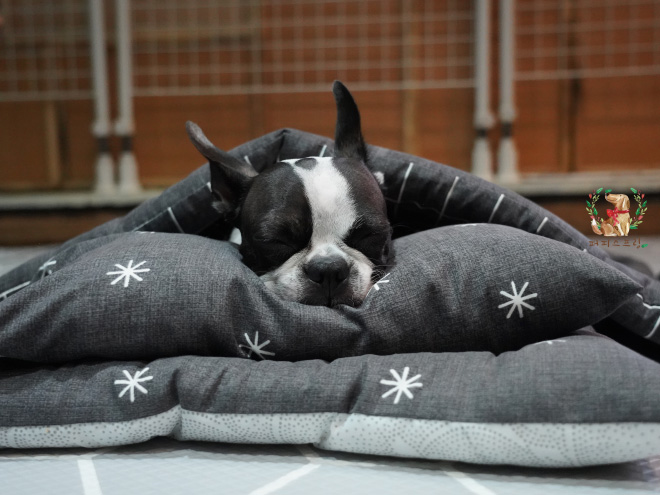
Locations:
348 132
230 177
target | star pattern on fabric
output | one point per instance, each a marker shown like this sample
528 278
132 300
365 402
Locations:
255 347
517 300
549 342
133 382
44 270
128 272
383 280
401 384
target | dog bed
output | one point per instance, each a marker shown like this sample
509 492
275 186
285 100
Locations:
477 346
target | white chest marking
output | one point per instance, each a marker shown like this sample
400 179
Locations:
327 191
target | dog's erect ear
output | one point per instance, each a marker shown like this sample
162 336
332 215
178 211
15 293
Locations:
230 177
348 133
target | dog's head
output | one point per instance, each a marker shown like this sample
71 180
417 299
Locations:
315 229
621 201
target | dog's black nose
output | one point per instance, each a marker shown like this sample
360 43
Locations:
327 271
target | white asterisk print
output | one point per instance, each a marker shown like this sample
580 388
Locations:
517 301
256 347
401 384
383 280
126 272
549 342
44 270
133 382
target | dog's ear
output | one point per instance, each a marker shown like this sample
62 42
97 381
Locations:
348 133
230 177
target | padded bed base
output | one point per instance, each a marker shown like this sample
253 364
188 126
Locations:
478 346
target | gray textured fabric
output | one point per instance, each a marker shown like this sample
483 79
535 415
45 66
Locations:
461 288
185 206
420 194
447 293
580 378
525 407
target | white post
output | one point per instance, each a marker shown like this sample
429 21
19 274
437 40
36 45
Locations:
483 119
507 158
129 181
104 181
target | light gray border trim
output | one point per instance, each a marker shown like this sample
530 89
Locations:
563 445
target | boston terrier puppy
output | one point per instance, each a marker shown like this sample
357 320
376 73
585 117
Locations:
314 229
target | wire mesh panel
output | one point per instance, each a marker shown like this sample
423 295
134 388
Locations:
215 46
44 50
587 38
234 46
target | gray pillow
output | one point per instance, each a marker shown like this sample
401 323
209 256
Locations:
473 287
420 195
574 401
571 401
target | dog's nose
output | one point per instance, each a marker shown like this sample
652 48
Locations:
327 271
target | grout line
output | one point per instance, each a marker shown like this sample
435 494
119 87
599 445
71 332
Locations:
315 458
65 457
101 451
90 480
310 454
282 481
469 483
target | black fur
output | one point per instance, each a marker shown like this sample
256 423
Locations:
274 216
349 142
230 178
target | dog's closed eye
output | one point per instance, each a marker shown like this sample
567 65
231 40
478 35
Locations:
373 243
276 244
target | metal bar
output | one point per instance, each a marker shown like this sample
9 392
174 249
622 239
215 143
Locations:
129 182
507 157
483 118
104 180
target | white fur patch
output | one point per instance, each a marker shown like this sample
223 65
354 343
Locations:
333 210
333 215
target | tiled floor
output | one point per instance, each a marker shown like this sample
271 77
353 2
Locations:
164 466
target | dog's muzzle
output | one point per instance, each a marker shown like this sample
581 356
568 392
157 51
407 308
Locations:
330 273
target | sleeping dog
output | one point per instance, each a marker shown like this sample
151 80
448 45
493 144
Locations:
315 229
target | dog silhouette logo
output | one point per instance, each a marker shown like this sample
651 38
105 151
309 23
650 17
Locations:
620 219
